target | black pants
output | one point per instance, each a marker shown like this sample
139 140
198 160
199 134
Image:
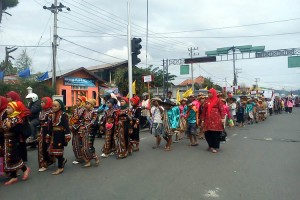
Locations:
60 161
14 173
270 111
290 109
213 139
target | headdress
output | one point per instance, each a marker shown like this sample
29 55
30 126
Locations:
48 102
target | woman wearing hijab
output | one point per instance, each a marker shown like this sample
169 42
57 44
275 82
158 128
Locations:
122 129
90 119
77 128
3 115
59 134
14 96
44 158
13 129
109 121
213 120
135 122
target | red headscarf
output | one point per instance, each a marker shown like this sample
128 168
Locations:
3 103
19 109
212 101
48 102
135 100
14 96
125 99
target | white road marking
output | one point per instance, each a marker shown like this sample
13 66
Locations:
269 139
213 193
234 134
245 137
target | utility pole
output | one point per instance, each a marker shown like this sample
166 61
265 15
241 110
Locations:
256 82
54 8
147 33
192 70
234 71
129 50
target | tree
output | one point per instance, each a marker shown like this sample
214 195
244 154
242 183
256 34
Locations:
23 61
5 4
121 79
9 69
209 84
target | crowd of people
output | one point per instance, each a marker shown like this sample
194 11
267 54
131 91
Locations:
197 117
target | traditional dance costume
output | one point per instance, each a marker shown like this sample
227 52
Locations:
78 129
134 131
59 135
45 115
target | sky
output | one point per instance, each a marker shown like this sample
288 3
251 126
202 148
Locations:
94 32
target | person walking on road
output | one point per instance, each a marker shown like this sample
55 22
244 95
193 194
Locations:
134 137
290 104
109 122
213 120
13 129
146 110
157 124
77 128
90 121
44 158
59 134
192 123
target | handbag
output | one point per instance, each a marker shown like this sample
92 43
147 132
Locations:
223 136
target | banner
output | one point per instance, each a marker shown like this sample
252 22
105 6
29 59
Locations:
43 77
1 75
79 82
25 73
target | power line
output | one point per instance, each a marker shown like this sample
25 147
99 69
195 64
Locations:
27 46
243 36
92 7
91 49
83 56
229 27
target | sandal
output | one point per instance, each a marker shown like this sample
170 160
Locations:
26 174
97 161
58 171
88 164
11 181
214 151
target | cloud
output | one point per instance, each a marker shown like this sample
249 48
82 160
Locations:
90 19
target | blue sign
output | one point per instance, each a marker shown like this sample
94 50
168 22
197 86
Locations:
79 82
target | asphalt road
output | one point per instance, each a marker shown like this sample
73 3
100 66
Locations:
259 162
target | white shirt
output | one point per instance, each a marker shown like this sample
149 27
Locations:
156 115
233 109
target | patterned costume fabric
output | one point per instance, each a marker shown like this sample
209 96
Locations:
122 133
88 149
58 131
78 130
44 158
134 131
12 159
110 120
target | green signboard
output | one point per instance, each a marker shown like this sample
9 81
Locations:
293 61
184 69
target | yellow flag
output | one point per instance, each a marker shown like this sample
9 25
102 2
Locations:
133 89
206 88
187 93
178 97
